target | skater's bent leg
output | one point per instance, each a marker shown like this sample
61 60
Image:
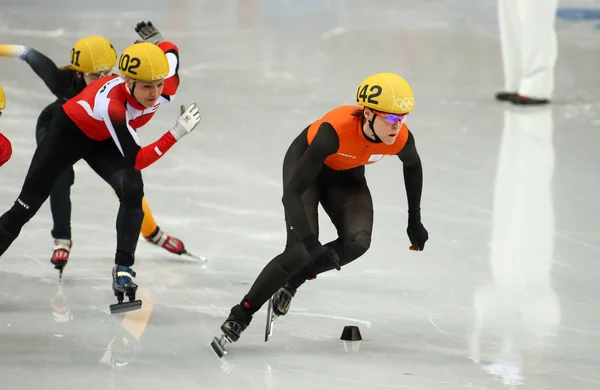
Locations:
276 273
355 230
274 276
61 148
130 215
127 183
60 204
350 208
149 224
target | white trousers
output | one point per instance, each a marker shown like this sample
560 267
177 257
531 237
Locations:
529 47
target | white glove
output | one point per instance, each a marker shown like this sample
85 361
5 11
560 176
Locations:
187 121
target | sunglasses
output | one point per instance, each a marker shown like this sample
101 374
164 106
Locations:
391 118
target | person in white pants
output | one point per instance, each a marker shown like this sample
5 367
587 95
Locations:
529 50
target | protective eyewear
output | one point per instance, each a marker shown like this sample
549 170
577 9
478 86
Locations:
391 118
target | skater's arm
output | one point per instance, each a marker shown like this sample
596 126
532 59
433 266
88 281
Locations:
413 176
150 33
172 79
127 140
55 79
149 154
324 144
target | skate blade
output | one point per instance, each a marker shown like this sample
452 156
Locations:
192 256
125 307
270 318
218 348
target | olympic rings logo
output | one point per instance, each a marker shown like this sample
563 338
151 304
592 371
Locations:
102 68
160 76
405 104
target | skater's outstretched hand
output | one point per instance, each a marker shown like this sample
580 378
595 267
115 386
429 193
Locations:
325 256
417 234
148 33
187 121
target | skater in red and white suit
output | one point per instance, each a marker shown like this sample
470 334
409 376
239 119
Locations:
99 125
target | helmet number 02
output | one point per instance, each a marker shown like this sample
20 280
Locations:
361 93
128 64
75 57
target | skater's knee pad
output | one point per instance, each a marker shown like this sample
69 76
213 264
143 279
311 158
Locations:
357 246
129 186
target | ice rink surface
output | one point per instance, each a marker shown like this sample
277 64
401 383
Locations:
505 295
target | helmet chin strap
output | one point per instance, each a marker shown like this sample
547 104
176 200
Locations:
377 139
131 92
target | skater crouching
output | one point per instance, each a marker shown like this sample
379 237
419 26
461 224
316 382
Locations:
326 164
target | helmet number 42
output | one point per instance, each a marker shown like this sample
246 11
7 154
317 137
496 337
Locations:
375 91
128 64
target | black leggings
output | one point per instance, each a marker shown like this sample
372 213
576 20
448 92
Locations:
346 199
64 145
60 196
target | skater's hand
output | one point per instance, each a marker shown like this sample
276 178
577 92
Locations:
148 33
186 122
14 51
324 256
417 234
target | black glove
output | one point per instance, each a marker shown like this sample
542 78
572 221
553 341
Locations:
148 33
417 234
325 256
321 256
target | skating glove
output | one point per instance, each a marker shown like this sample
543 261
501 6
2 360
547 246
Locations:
320 255
148 33
417 234
187 121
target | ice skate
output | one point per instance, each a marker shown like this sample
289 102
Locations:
232 329
172 244
279 304
60 254
123 285
283 299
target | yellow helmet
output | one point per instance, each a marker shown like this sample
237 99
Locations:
144 62
386 92
2 99
93 54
